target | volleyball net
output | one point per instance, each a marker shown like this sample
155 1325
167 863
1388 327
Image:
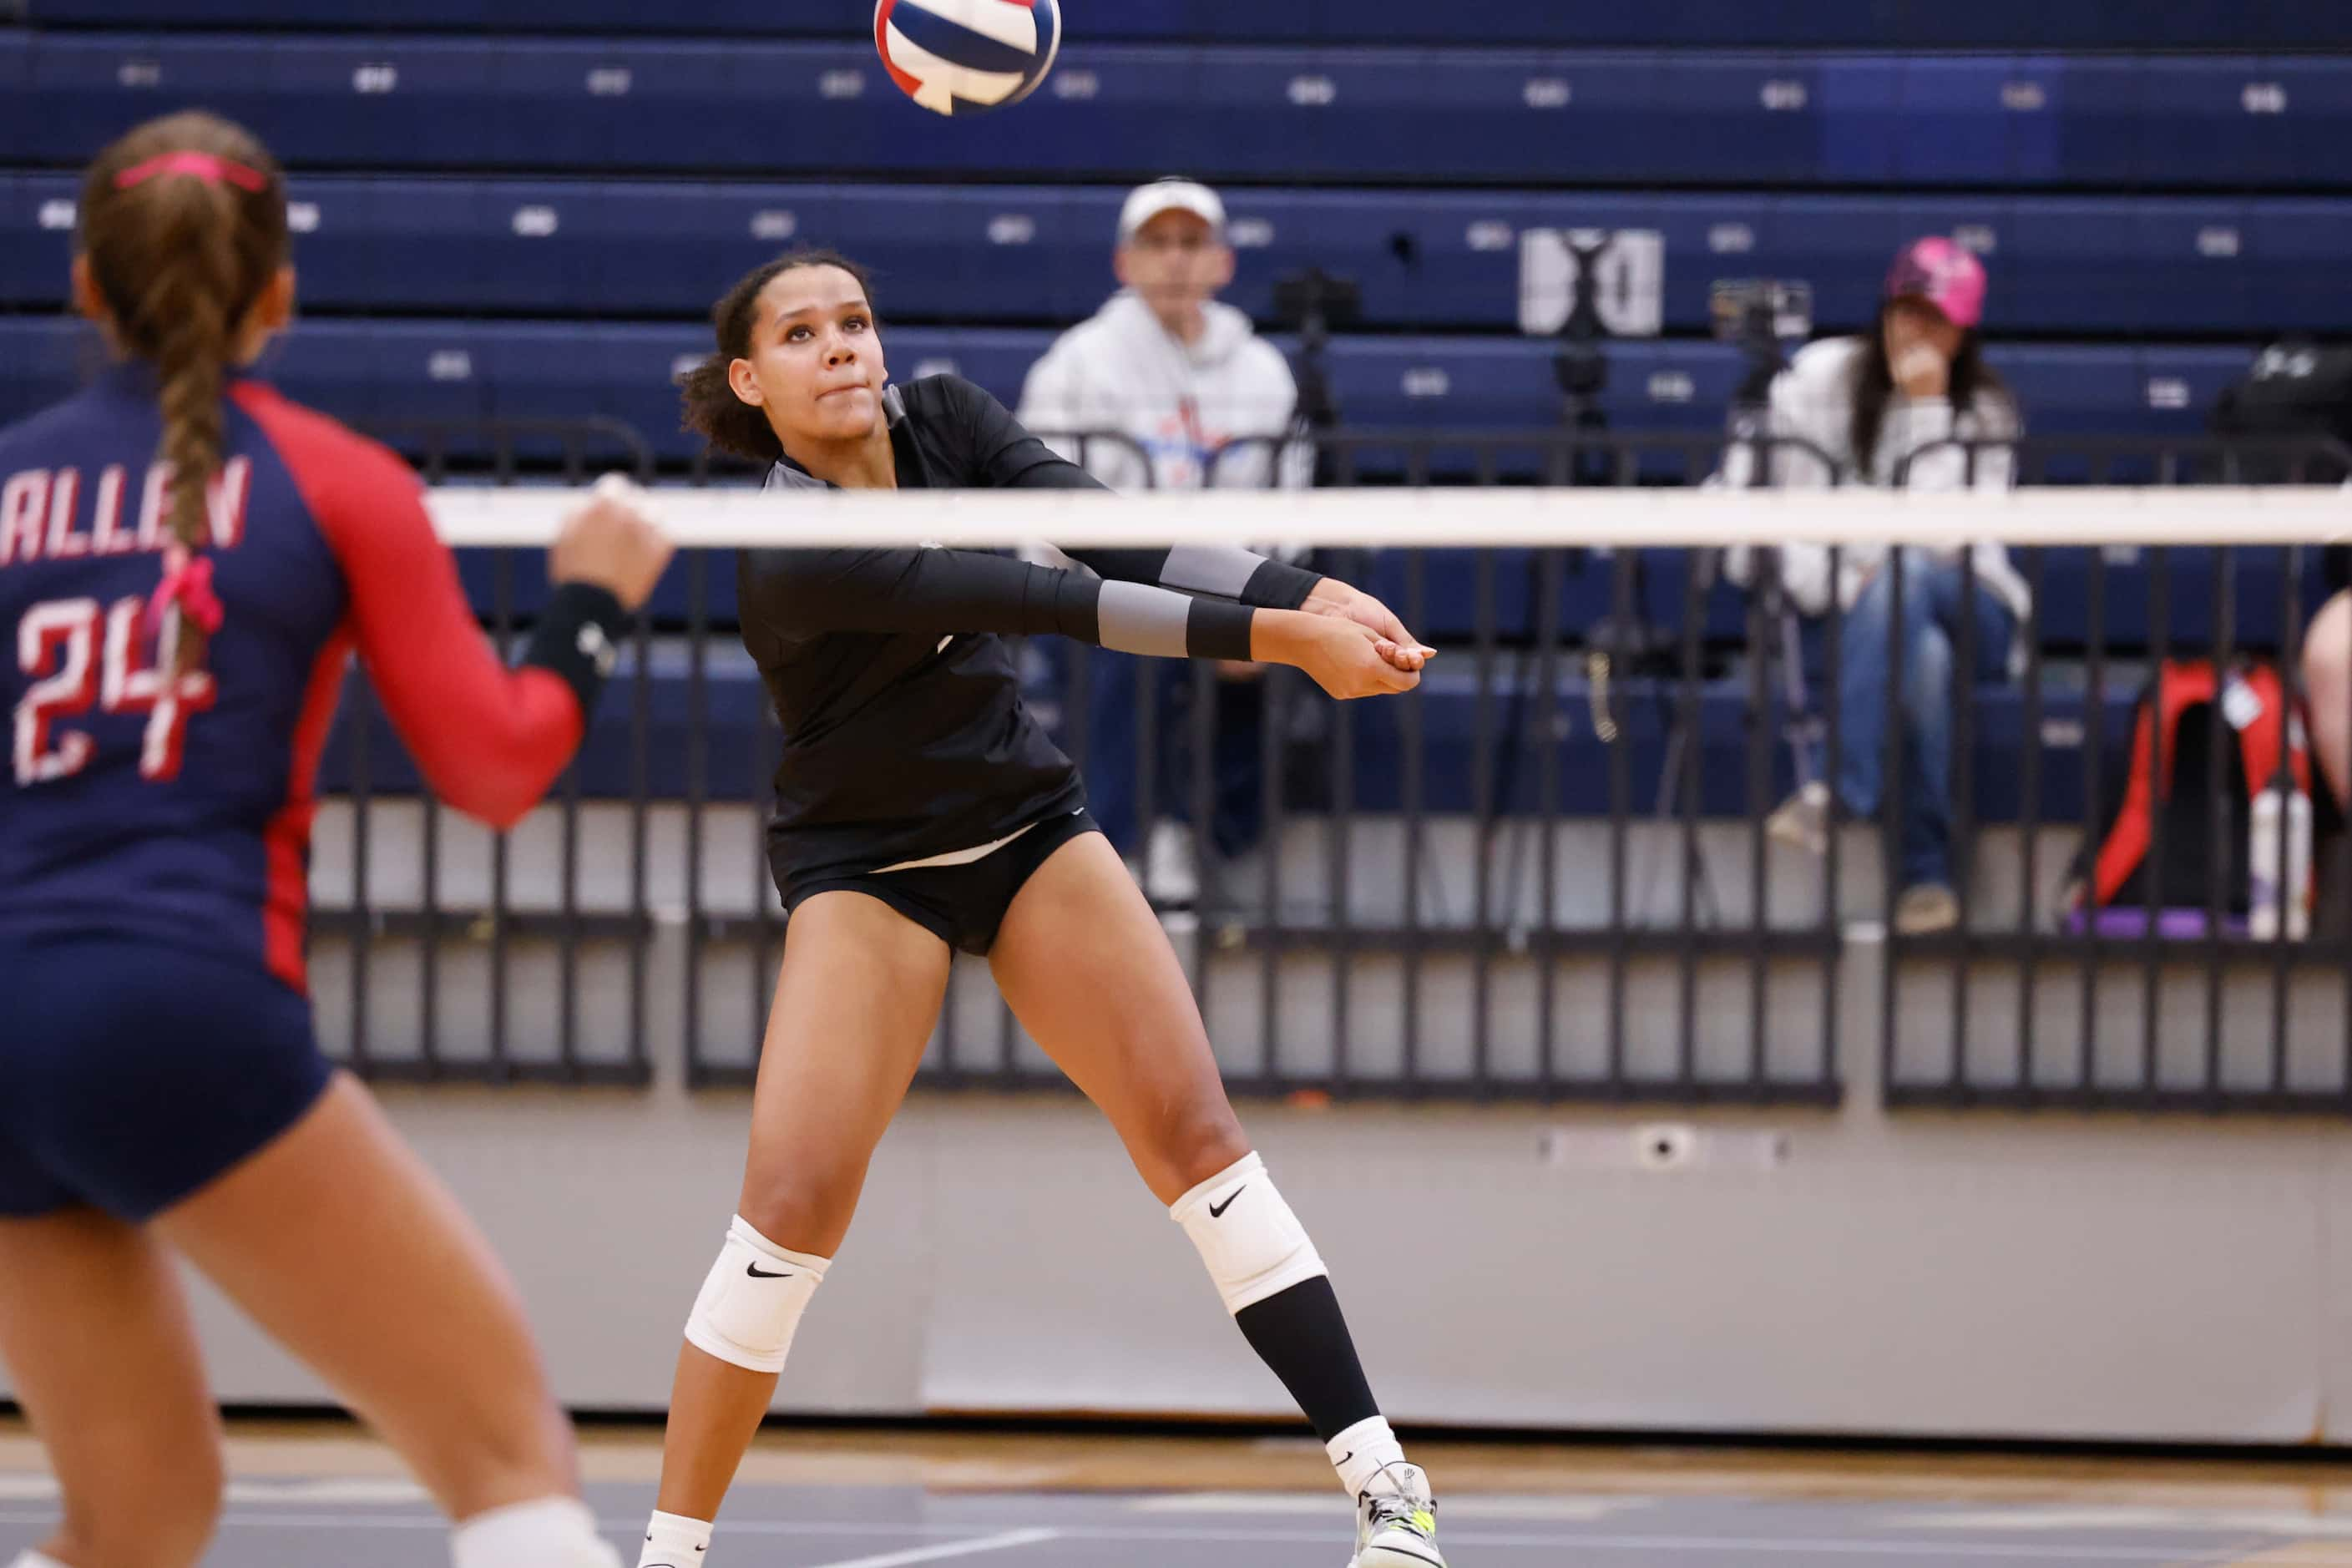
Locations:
1384 518
1575 862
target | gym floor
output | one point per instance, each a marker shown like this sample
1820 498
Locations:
309 1494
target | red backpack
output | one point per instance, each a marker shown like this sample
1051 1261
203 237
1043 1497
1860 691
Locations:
2191 709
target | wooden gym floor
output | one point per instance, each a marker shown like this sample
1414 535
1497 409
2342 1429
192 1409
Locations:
309 1494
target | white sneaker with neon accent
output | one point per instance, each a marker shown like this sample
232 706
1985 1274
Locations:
1396 1521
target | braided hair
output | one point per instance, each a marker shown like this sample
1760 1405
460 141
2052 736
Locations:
183 223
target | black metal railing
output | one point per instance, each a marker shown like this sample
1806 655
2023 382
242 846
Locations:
461 959
1546 874
503 451
2178 999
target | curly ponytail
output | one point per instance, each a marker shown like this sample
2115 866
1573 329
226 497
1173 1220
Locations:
184 224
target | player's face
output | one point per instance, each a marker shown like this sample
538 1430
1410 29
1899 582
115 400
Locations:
815 365
1176 263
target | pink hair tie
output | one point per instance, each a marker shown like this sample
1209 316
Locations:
188 583
209 167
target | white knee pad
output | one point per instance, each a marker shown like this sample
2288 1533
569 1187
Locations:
1253 1246
552 1533
752 1302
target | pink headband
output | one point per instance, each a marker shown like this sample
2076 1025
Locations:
209 167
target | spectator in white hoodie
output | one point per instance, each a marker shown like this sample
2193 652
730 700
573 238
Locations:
1191 397
1915 389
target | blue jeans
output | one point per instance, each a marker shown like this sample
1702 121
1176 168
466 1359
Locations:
1930 636
1236 766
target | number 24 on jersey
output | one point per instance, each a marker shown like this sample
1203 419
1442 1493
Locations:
80 655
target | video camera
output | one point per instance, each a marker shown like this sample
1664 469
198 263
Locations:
1768 309
1761 315
1311 303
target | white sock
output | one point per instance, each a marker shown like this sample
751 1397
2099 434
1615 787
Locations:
1358 1453
674 1540
35 1560
552 1532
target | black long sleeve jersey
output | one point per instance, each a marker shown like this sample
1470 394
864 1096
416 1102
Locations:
906 739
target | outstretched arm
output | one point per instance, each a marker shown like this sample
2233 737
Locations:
945 593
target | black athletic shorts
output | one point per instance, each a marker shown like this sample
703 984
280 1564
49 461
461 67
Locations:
961 904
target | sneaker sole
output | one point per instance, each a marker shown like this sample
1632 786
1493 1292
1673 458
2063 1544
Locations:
1796 838
1395 1557
1943 928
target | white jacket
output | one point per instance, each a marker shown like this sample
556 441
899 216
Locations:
1812 401
1119 370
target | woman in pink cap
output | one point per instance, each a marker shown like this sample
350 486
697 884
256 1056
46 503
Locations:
1916 391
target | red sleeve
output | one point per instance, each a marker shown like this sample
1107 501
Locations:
488 740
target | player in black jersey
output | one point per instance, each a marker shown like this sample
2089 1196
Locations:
921 810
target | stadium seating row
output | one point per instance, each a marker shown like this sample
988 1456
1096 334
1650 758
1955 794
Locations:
1439 589
739 744
2164 265
1386 115
387 373
1988 23
465 371
1448 593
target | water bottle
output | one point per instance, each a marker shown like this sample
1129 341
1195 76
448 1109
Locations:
2279 894
2298 867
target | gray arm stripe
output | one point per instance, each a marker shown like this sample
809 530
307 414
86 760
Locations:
1214 569
1132 618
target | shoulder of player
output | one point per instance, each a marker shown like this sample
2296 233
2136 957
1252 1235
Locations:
36 433
333 465
932 398
33 443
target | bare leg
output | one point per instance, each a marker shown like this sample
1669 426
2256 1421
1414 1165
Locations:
1131 1036
856 1003
340 1243
2327 678
95 1330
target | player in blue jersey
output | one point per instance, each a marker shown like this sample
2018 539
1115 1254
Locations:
187 562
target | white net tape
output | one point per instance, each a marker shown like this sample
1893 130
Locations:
708 518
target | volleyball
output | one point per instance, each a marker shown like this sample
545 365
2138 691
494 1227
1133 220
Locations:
967 57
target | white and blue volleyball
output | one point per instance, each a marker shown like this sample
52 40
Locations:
967 57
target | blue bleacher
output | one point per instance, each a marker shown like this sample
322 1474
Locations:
739 740
1332 112
458 372
2156 266
362 371
2192 579
1774 113
1987 24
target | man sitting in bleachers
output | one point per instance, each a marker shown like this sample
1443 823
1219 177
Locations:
1908 399
1189 397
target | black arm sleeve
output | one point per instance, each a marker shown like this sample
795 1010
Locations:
799 593
1010 457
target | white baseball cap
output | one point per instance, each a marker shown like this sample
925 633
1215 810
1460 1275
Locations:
1171 196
